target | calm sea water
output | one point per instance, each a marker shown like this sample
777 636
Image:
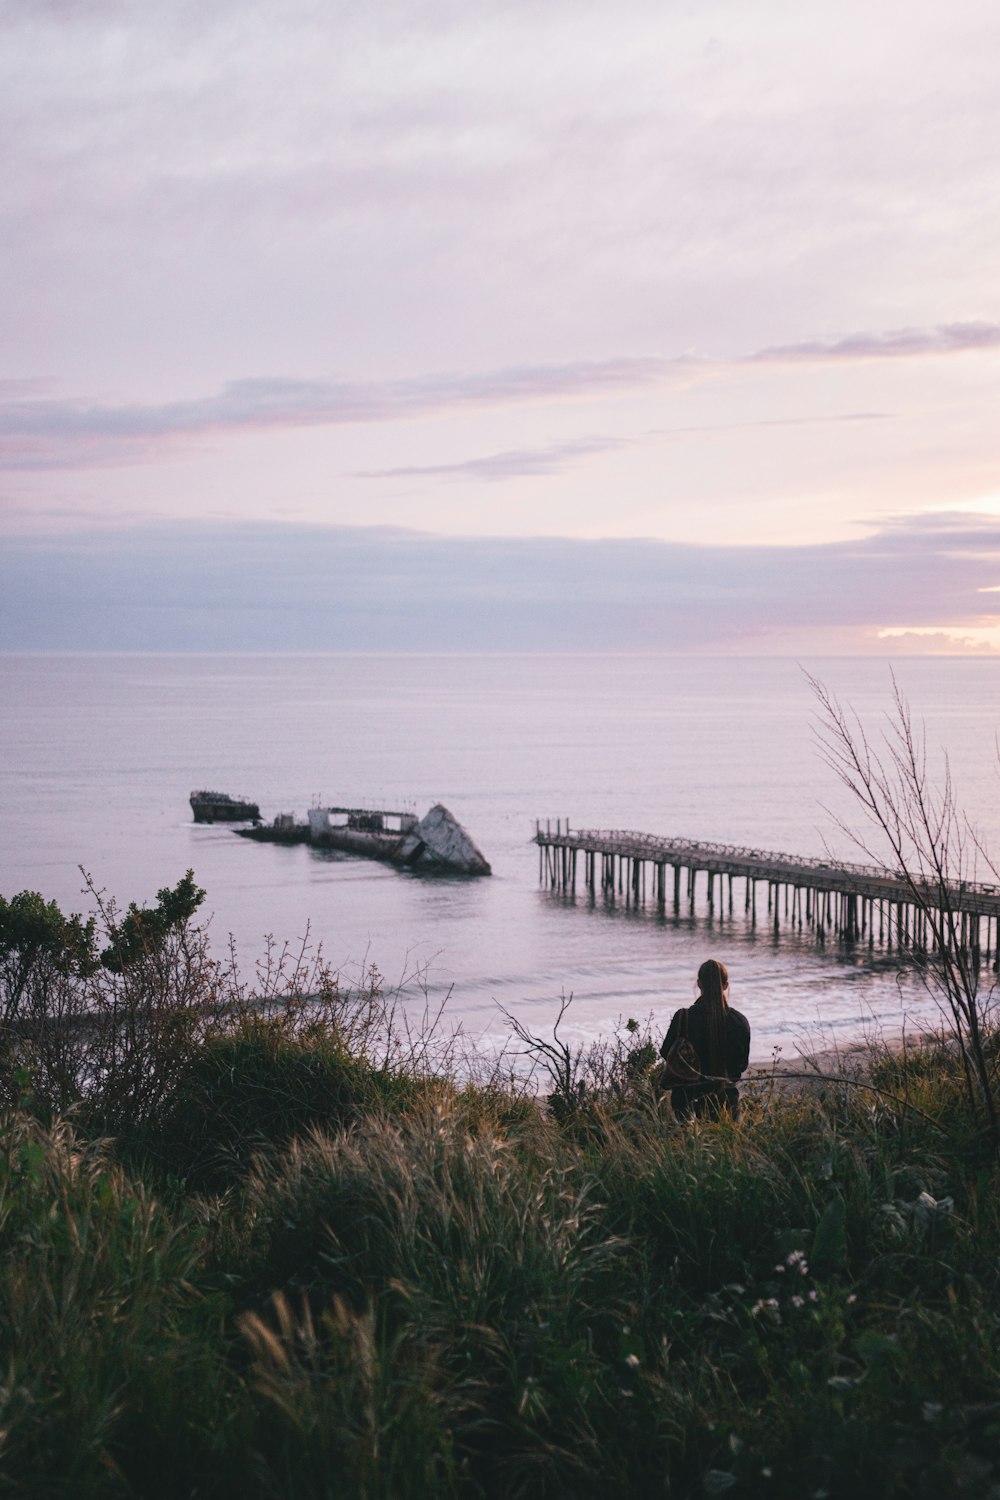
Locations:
98 755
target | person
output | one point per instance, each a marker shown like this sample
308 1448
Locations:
721 1037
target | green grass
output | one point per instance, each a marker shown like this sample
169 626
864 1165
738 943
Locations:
314 1274
261 1084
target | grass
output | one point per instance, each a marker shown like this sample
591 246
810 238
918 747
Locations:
261 1084
411 1289
261 1245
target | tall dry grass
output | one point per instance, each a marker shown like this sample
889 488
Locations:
309 1260
441 1299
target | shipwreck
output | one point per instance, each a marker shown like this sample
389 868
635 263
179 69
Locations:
435 842
219 807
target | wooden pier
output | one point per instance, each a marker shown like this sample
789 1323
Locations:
855 903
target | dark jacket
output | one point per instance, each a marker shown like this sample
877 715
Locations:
688 1099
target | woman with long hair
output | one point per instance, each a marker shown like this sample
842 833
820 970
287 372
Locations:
721 1037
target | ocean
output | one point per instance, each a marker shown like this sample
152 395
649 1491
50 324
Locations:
99 753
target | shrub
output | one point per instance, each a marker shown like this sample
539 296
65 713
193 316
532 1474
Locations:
110 1354
262 1083
107 1036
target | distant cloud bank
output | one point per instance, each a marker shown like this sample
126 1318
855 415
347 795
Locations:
245 587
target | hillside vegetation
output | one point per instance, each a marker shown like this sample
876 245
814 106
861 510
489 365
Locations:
260 1241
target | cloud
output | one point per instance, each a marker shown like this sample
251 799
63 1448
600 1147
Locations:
40 433
269 587
844 416
513 463
925 642
247 188
54 433
554 458
898 343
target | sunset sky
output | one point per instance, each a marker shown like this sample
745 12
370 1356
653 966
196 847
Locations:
440 325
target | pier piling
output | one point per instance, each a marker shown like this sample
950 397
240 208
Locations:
855 902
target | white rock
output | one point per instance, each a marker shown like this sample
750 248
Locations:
445 843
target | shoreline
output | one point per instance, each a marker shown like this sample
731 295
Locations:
851 1060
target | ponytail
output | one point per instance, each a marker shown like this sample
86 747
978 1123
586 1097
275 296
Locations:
713 984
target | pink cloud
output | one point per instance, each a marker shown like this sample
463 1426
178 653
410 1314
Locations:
897 343
37 434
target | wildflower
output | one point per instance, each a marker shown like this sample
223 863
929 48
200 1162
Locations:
851 1300
813 1296
632 1360
798 1302
718 1481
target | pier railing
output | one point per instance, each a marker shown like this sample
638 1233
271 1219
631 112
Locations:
850 899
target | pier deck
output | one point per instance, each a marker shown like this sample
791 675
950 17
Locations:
852 901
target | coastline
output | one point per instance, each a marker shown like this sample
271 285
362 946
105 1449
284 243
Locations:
810 1072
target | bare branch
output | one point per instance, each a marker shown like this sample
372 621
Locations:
915 825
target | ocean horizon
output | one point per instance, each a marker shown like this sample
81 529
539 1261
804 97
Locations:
100 752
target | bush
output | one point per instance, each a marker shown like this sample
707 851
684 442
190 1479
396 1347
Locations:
428 1301
110 1351
105 1036
409 1288
261 1084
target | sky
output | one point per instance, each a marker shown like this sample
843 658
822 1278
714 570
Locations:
469 326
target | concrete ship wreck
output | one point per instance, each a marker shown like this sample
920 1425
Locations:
437 841
219 807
